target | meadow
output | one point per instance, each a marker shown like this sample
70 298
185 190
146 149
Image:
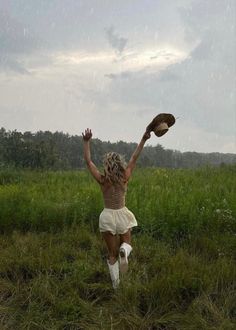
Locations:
53 272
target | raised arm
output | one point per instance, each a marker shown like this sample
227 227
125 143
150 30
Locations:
87 135
134 157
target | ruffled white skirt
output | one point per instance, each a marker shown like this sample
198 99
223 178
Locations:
116 221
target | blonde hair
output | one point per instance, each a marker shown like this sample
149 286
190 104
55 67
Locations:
114 167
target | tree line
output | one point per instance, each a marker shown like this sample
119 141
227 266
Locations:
61 151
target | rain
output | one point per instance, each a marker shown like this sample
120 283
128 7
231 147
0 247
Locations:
121 61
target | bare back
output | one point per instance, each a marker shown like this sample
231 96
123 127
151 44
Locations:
114 194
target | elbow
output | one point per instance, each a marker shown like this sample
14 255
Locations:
87 159
88 162
134 159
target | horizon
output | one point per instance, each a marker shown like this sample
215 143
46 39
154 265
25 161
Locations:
117 141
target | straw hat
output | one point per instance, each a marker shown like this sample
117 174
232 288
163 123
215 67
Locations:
161 123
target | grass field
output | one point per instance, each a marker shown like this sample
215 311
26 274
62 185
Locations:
53 272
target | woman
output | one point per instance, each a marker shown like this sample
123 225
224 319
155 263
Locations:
115 221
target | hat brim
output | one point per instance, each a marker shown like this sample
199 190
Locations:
162 117
162 132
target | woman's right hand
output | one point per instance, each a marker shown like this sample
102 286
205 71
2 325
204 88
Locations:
87 135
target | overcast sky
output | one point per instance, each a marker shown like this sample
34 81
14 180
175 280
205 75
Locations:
113 65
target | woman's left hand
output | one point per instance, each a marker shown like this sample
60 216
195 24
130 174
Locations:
87 135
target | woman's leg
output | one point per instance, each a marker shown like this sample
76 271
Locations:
112 262
126 237
112 246
124 251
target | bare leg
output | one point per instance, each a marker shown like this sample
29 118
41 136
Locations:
112 246
124 251
126 237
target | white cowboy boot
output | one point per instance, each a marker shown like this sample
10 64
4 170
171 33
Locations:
114 273
125 250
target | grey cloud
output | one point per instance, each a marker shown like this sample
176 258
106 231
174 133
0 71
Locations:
11 117
213 25
15 38
67 25
122 75
9 63
163 76
188 90
201 89
162 53
168 76
116 42
80 24
110 76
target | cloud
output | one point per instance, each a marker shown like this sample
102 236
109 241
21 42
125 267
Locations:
133 64
201 87
170 57
9 63
187 136
12 116
110 75
116 42
15 40
122 75
15 37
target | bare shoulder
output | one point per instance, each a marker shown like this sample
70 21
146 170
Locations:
102 181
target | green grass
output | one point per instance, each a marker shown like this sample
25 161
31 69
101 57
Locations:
61 281
168 204
53 272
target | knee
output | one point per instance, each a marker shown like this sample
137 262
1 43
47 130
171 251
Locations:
112 260
112 257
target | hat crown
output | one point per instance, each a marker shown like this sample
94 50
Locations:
161 123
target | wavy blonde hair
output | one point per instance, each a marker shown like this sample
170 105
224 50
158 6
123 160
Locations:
114 167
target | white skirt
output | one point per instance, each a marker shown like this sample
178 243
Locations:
116 221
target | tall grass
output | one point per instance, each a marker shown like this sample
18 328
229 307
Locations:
182 275
60 281
167 203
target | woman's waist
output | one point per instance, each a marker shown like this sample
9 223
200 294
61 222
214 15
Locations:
116 209
114 203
